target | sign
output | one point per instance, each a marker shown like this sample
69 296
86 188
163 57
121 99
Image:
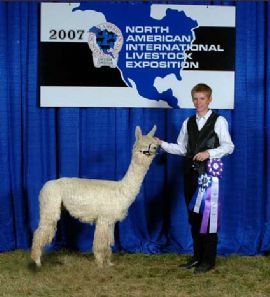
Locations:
135 54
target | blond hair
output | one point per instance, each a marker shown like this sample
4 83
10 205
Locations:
201 88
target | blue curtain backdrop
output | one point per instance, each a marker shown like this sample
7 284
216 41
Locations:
38 144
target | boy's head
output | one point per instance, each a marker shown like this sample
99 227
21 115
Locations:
201 88
201 97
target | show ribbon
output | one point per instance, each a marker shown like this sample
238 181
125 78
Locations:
206 198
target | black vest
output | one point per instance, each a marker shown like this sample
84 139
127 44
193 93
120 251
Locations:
200 141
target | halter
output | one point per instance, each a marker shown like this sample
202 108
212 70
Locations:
147 152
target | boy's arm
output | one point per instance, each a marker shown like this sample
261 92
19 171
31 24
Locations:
179 148
226 145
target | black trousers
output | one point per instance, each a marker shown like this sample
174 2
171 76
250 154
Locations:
204 245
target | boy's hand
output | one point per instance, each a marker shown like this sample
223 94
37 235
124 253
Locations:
201 156
159 141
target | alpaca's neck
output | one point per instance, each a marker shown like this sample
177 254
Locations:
133 179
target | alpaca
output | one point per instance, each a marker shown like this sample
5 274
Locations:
102 202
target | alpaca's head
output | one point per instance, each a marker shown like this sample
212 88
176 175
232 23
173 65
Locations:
145 147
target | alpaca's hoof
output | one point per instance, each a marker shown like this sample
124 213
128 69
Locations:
110 263
38 263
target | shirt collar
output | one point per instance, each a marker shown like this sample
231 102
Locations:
205 117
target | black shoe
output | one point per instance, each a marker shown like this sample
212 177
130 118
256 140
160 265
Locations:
190 264
204 267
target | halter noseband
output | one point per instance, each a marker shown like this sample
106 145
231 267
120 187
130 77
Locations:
147 152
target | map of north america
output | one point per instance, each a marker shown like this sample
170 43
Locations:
153 48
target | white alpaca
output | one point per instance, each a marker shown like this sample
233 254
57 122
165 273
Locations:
102 202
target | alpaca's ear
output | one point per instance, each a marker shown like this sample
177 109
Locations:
138 133
153 131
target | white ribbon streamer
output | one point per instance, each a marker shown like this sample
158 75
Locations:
199 200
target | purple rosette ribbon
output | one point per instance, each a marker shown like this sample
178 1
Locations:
206 199
215 167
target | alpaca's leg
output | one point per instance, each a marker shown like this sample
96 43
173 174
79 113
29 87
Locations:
50 210
42 236
110 244
101 246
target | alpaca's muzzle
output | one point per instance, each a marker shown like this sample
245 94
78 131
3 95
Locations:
152 150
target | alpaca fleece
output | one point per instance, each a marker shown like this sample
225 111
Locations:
102 202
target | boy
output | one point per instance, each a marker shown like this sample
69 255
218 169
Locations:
203 136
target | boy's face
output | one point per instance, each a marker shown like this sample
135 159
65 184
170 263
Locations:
201 101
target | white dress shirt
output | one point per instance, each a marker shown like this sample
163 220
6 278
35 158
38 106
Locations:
226 146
